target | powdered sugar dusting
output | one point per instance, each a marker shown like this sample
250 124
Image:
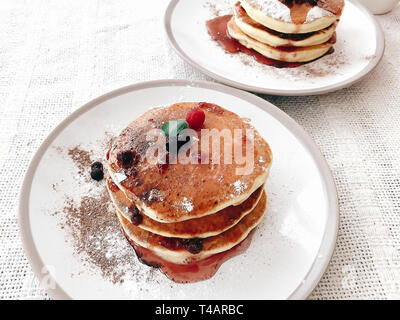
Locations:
317 13
273 8
239 187
279 11
155 195
120 176
186 204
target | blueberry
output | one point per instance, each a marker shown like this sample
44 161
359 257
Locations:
97 174
135 217
97 166
193 245
127 159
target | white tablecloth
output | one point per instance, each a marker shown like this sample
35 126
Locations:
57 55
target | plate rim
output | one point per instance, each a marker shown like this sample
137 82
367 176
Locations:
380 49
329 238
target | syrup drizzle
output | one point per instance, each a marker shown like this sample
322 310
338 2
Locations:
189 273
298 11
242 15
299 8
218 30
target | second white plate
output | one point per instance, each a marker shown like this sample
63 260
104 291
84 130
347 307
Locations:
359 48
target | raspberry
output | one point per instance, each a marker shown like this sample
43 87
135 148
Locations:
195 118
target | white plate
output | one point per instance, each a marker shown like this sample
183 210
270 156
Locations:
359 48
290 250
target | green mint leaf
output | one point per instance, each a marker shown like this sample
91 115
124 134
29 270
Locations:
174 127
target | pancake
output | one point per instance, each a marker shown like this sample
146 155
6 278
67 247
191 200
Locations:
276 39
195 228
286 54
186 191
293 17
211 245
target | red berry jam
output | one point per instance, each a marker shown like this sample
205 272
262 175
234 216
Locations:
135 216
112 186
171 243
194 245
217 28
187 273
195 118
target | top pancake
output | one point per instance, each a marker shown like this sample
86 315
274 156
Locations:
294 18
187 191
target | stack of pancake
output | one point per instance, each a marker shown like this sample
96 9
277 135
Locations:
286 30
185 213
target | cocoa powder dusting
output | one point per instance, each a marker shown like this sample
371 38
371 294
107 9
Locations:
81 158
97 236
92 227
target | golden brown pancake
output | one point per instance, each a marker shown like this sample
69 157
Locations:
206 226
274 38
211 245
186 191
286 54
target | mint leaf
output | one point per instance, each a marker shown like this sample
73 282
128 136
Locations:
174 127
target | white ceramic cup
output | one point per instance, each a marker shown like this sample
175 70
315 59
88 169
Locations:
379 6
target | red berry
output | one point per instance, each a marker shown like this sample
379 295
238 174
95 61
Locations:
195 118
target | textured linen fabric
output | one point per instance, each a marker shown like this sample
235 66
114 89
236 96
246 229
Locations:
57 55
